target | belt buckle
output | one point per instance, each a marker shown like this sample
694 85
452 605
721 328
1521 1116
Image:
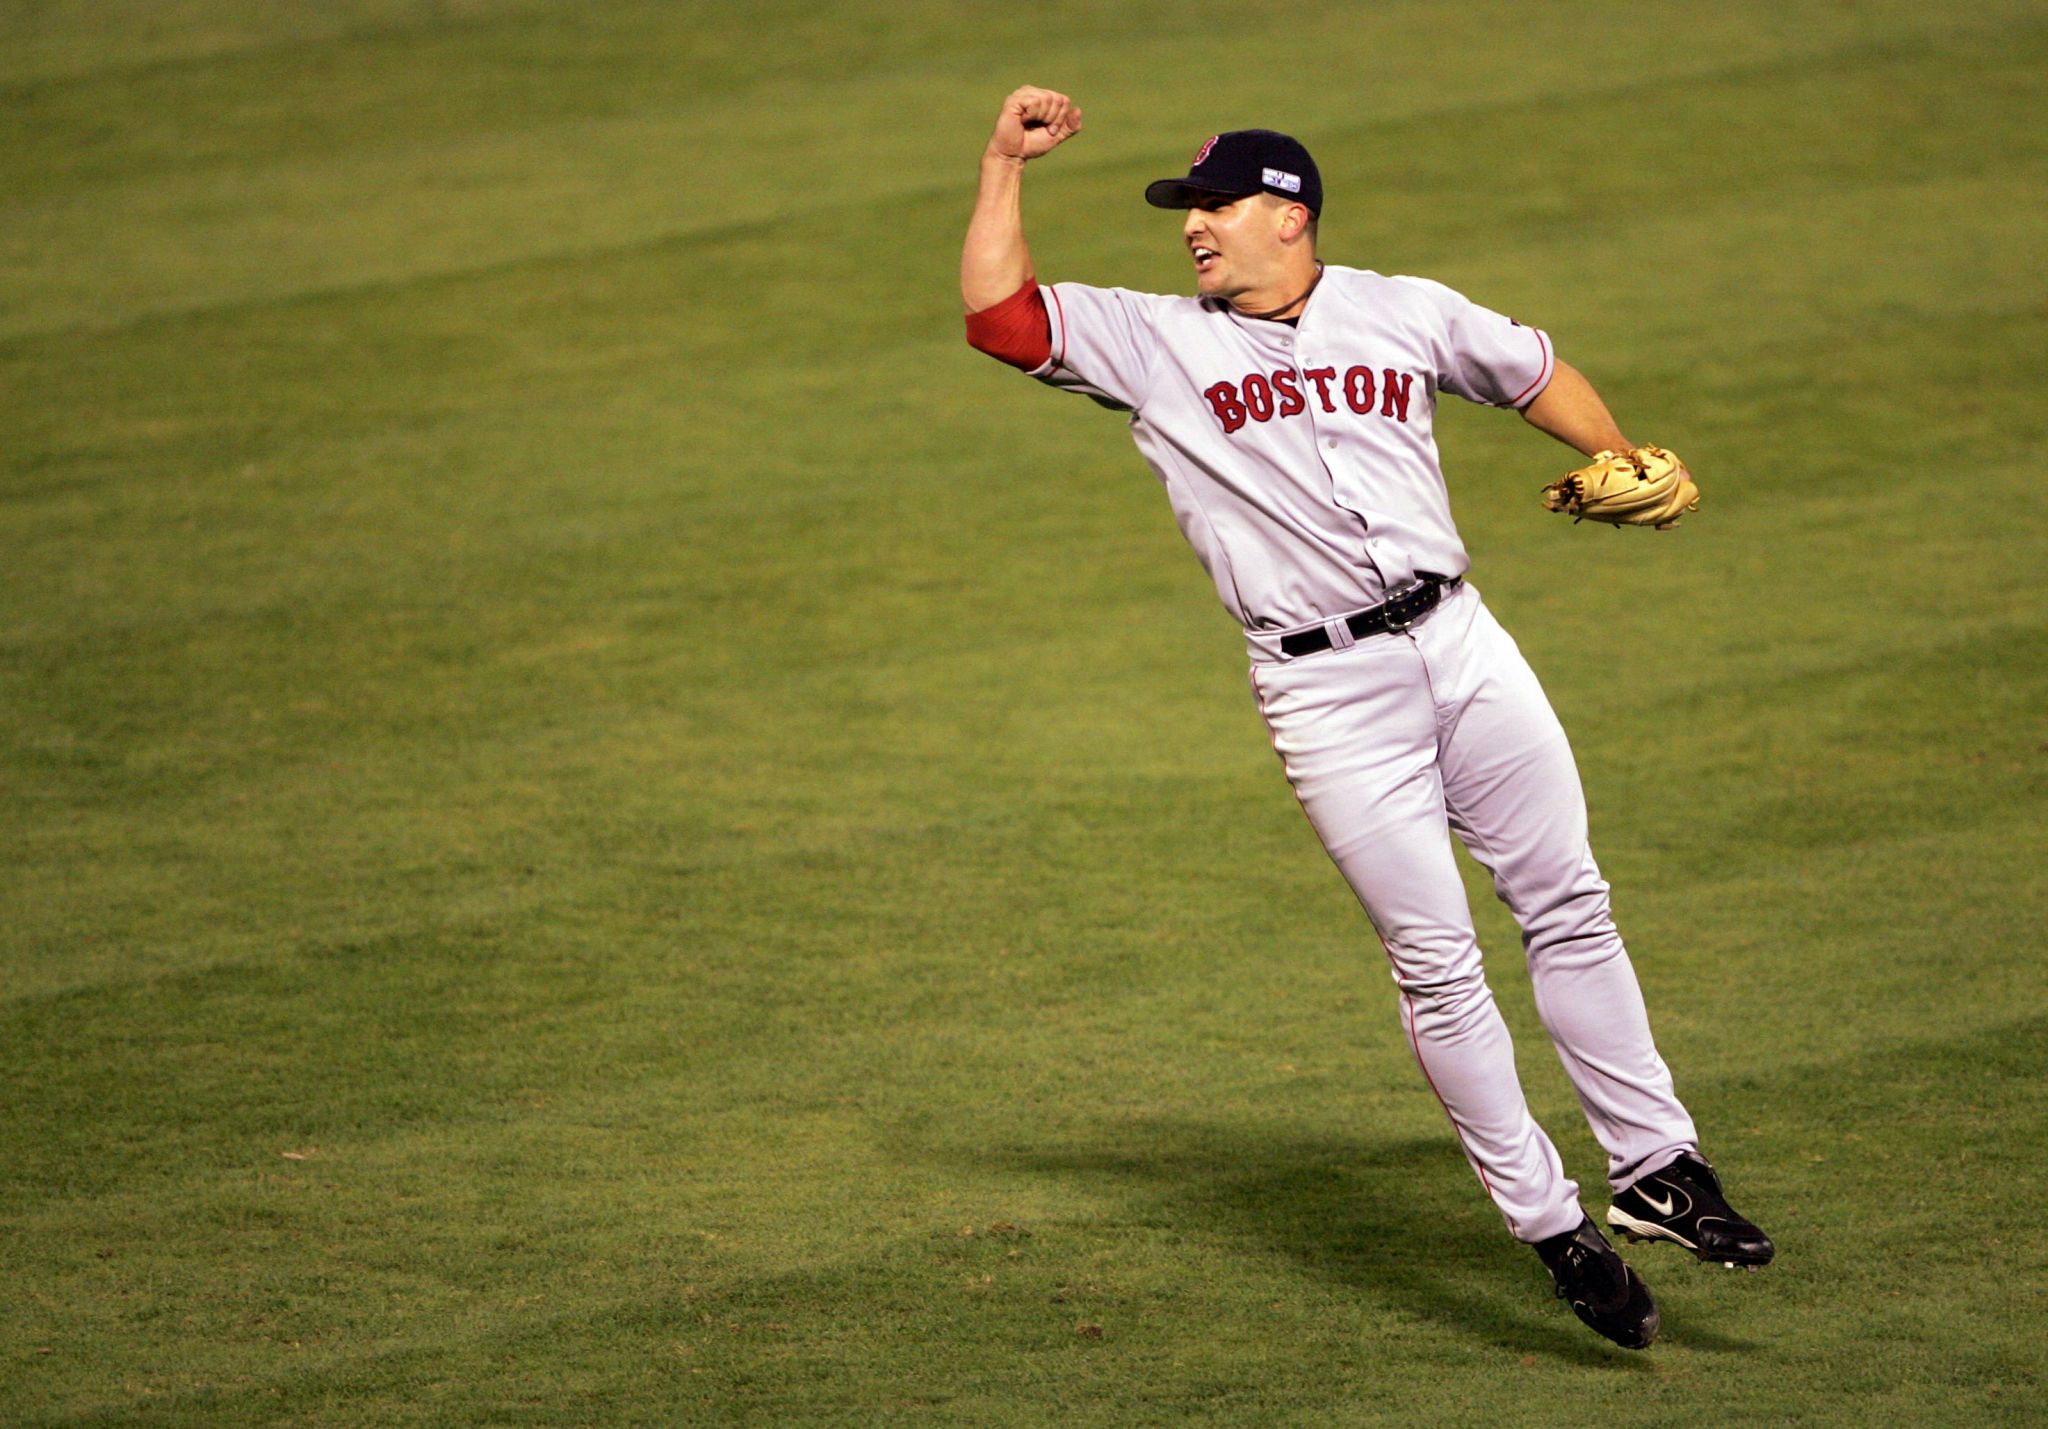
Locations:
1396 626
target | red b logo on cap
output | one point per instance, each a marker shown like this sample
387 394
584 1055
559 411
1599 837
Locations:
1203 152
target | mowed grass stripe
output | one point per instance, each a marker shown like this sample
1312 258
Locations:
1271 1198
418 203
71 41
1973 273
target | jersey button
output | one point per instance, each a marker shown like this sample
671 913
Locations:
1330 442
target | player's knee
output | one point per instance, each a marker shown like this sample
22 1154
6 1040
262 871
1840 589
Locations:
1447 1001
1575 949
1572 928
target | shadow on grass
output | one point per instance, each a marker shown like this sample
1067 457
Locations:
1385 1220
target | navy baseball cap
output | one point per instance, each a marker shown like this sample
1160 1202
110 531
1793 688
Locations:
1244 161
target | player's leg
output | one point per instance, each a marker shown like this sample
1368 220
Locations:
1514 796
1356 731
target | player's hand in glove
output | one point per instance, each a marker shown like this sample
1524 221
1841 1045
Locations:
1646 486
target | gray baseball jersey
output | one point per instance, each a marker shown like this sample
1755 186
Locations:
1300 461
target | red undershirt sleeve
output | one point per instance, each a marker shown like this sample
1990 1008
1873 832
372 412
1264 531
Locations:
1016 330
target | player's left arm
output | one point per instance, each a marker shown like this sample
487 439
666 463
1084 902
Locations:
1569 409
1486 356
1625 485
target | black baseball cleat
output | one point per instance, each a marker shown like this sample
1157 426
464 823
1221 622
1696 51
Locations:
1600 1287
1683 1204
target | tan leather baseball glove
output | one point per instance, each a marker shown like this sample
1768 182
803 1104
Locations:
1647 486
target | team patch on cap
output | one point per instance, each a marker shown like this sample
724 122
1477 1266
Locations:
1278 179
1203 152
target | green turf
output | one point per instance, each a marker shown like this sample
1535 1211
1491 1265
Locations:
599 823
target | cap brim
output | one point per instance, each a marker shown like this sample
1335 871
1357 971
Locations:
1186 193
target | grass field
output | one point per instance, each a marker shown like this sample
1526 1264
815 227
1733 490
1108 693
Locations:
600 823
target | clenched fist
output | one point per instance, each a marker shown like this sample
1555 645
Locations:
1034 121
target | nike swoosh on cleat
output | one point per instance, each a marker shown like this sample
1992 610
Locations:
1645 1230
1664 1207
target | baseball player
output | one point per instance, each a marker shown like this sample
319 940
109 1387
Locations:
1287 408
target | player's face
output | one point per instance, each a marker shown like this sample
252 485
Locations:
1235 244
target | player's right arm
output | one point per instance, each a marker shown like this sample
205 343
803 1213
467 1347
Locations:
995 262
1098 342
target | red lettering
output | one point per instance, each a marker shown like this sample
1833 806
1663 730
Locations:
1322 377
1229 411
1396 389
1291 403
1258 398
1358 388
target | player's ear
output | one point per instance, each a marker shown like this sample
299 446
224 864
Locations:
1294 219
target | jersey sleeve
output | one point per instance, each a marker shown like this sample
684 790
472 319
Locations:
1017 331
1103 343
1487 356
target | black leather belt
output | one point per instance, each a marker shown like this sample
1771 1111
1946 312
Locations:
1397 613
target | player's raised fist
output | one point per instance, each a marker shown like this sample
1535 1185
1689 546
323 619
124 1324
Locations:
1034 121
